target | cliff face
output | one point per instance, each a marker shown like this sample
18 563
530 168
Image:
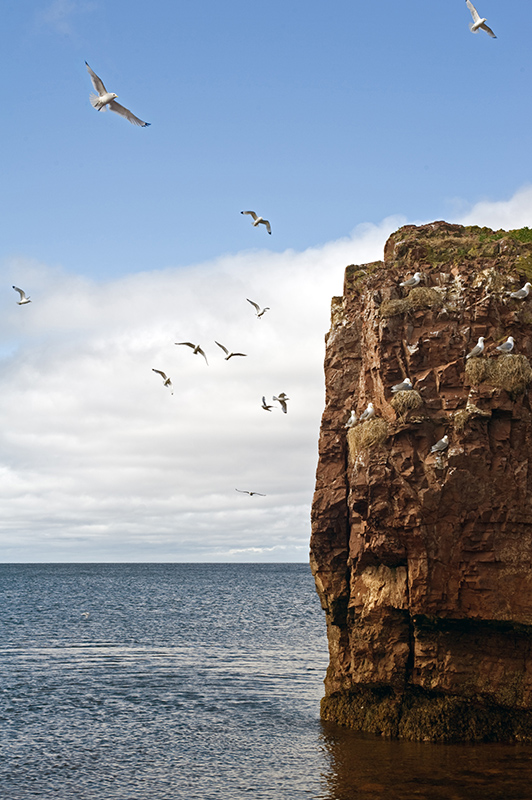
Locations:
423 561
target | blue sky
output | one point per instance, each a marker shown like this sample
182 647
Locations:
337 123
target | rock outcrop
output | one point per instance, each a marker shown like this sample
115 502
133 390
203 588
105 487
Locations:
423 560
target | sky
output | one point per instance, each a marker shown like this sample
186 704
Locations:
338 124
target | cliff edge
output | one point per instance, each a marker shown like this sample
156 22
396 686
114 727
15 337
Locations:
423 560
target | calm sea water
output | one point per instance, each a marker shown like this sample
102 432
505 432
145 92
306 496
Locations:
162 682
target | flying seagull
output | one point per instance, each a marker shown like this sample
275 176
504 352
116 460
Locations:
368 413
166 379
413 281
478 349
243 491
23 299
257 308
228 355
521 294
478 21
405 386
507 346
197 349
282 398
265 405
442 444
258 220
107 99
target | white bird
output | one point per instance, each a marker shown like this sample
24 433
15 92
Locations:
258 309
413 281
228 355
244 491
265 405
405 386
478 349
197 349
166 379
258 220
478 21
442 444
23 299
521 294
351 421
368 413
282 398
507 346
105 99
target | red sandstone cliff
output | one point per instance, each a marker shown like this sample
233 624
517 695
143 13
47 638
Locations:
423 562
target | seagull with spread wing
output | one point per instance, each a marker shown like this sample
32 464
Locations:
228 355
105 99
478 21
23 299
258 220
244 491
259 312
196 348
164 376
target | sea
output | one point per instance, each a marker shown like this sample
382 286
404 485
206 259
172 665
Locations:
197 682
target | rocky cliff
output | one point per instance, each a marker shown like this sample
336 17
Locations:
423 560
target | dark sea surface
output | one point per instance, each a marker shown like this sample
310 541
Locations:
170 681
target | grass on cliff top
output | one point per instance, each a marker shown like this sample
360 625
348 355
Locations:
508 372
419 297
366 436
523 235
403 402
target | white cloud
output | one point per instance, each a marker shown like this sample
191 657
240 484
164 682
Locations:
100 462
506 214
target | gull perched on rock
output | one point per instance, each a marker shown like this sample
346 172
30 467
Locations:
441 445
413 281
351 421
228 355
368 413
478 21
405 386
265 405
197 349
282 400
507 346
258 220
258 309
164 376
478 349
107 99
244 491
521 294
23 299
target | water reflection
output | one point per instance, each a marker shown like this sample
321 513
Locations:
365 767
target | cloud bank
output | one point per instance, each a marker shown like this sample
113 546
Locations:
100 462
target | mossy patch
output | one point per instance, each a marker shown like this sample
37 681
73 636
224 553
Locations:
366 436
508 372
420 297
403 402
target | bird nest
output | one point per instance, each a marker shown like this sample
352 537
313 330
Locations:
420 297
366 436
403 402
508 372
462 417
